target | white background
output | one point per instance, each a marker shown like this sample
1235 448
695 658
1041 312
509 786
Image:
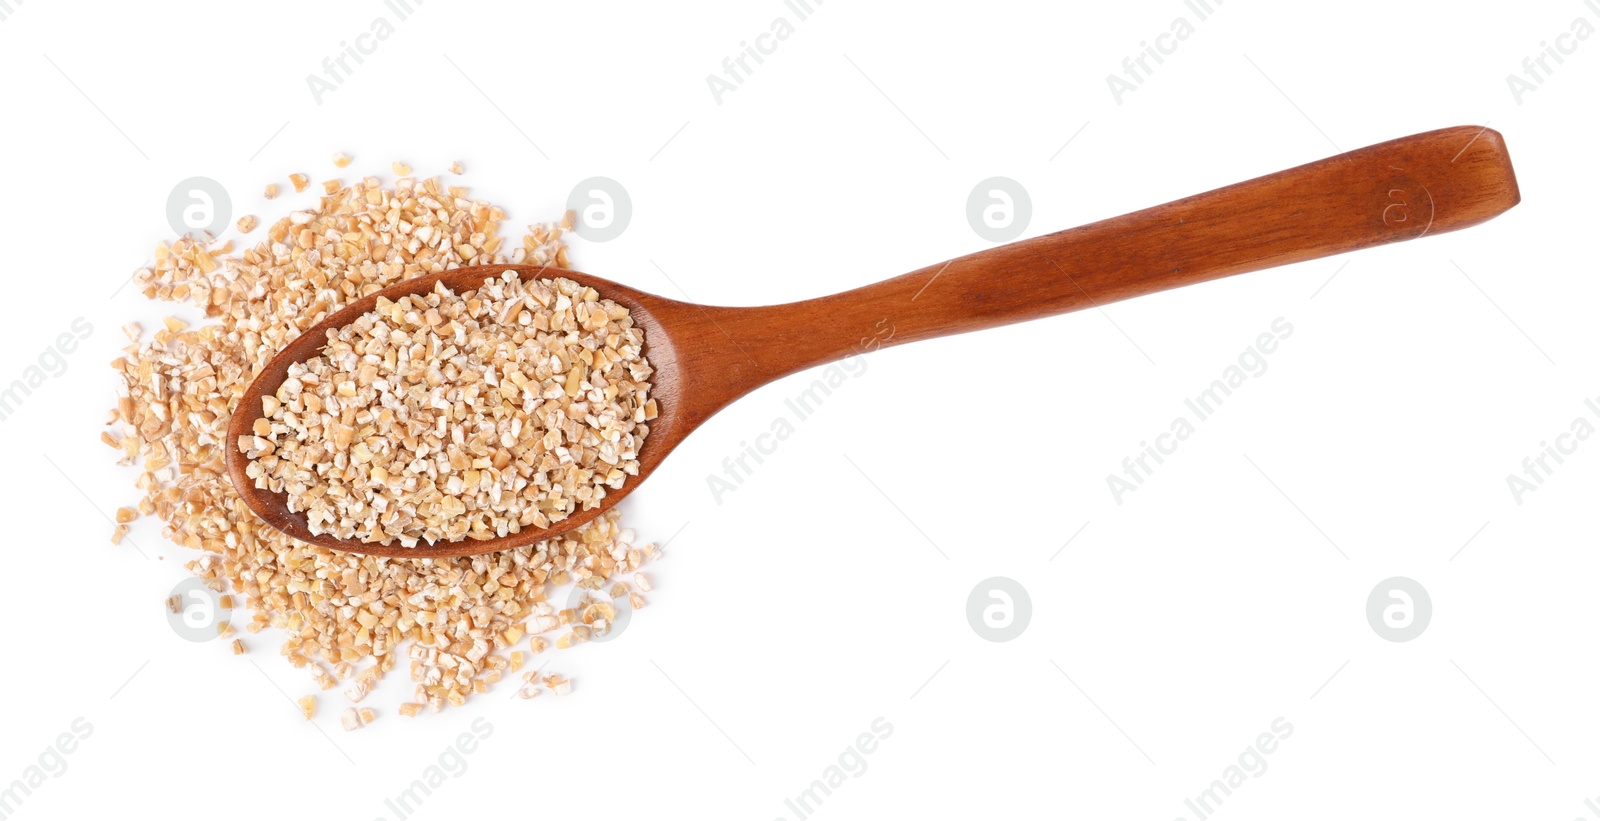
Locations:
1165 637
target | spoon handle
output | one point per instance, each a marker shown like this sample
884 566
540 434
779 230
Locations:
1399 190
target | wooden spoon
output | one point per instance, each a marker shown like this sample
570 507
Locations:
705 357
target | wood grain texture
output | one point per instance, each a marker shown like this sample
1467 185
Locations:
706 357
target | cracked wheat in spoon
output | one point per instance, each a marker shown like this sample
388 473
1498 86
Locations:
444 416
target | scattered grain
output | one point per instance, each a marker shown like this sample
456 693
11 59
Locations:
181 388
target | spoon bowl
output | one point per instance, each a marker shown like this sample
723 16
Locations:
706 357
666 388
